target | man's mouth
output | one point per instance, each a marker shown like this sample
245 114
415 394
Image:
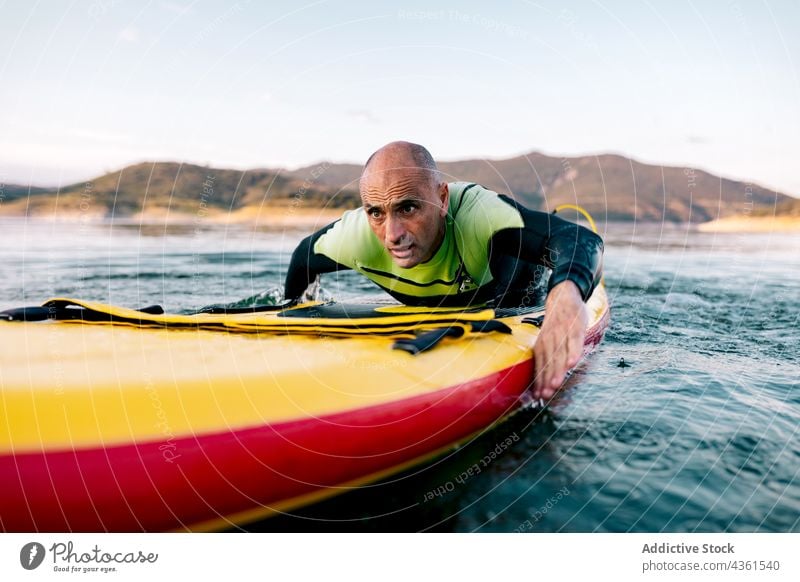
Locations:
402 252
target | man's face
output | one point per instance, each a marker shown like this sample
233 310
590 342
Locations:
406 210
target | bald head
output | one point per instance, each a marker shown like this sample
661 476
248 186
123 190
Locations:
400 159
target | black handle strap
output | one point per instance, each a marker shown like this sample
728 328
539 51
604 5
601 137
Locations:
62 313
221 309
425 341
430 339
537 321
490 326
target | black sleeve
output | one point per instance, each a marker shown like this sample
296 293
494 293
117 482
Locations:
306 265
573 252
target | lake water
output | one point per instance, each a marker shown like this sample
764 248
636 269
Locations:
697 432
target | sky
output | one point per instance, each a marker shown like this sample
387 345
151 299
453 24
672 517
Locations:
91 86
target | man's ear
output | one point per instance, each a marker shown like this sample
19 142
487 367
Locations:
444 196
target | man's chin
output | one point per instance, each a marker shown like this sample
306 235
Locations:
405 261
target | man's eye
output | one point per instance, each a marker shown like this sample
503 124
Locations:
375 213
407 208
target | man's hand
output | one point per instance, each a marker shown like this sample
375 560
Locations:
560 344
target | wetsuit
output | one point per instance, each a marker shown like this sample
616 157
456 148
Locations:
493 250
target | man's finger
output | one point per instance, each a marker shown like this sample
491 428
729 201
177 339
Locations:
539 370
575 349
558 367
542 357
553 366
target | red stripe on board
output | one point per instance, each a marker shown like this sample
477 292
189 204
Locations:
164 485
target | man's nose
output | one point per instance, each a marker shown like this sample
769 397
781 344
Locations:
395 231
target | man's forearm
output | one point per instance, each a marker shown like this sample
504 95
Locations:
299 275
305 265
575 254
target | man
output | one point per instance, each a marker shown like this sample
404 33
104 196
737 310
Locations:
427 242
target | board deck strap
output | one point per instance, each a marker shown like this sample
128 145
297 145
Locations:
308 319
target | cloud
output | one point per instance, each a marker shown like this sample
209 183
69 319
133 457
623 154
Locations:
129 34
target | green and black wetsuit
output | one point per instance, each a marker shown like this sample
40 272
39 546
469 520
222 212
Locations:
493 249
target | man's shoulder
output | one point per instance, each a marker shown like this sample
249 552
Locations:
459 188
464 196
474 206
355 218
353 224
348 239
469 197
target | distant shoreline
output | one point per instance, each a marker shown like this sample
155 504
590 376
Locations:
310 219
752 224
267 217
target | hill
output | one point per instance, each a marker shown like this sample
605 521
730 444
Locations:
177 191
611 187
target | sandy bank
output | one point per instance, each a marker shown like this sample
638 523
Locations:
753 224
278 218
